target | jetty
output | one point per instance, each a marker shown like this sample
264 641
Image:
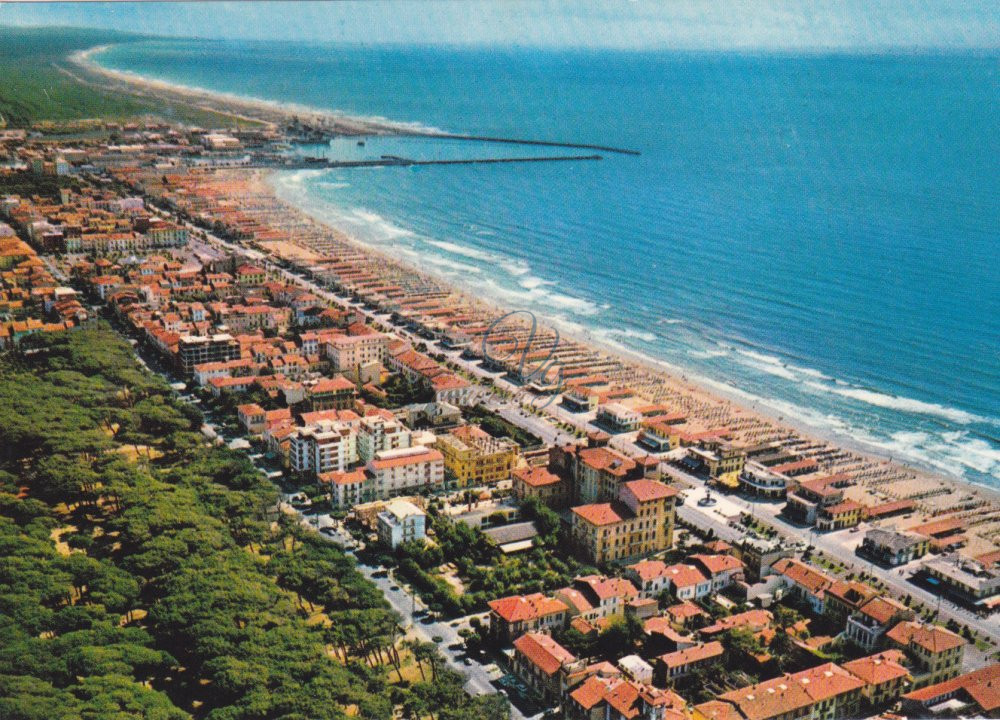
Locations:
314 163
520 141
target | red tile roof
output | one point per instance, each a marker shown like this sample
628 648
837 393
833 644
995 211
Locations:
933 638
982 686
650 490
715 564
518 608
536 476
878 669
812 580
608 460
543 652
684 576
696 653
598 514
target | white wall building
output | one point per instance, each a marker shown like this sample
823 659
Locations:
400 522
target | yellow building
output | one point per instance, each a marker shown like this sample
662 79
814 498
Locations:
723 461
936 652
639 523
837 517
474 457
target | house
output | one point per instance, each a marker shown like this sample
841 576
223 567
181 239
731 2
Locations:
601 697
757 480
511 617
381 432
407 469
597 596
842 599
759 556
867 625
360 357
974 694
805 502
722 570
935 653
338 393
649 576
400 522
969 580
824 692
753 620
597 472
674 665
805 582
256 420
686 614
891 548
327 446
687 582
540 483
636 668
884 675
347 488
640 522
722 461
841 515
544 665
618 418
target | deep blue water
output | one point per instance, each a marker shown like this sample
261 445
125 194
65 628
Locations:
818 233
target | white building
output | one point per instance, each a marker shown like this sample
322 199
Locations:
377 433
619 418
393 471
400 522
357 355
327 446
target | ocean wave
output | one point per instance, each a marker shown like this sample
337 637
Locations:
945 452
633 334
768 364
905 404
468 252
377 223
707 354
530 282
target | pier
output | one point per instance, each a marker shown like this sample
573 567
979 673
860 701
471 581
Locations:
537 143
396 161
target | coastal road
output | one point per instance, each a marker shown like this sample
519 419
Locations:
839 546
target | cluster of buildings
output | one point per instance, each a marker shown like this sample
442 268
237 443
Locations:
301 377
31 301
896 660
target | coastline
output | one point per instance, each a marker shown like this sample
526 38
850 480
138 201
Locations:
694 381
241 107
678 380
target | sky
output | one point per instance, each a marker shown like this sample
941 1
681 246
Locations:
641 24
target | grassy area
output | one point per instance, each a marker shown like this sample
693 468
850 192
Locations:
33 88
38 84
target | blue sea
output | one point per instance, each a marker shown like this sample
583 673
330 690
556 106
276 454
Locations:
817 235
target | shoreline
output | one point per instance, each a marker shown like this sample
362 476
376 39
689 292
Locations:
696 381
677 380
267 111
691 381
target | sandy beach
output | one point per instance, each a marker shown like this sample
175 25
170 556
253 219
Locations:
299 237
242 108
